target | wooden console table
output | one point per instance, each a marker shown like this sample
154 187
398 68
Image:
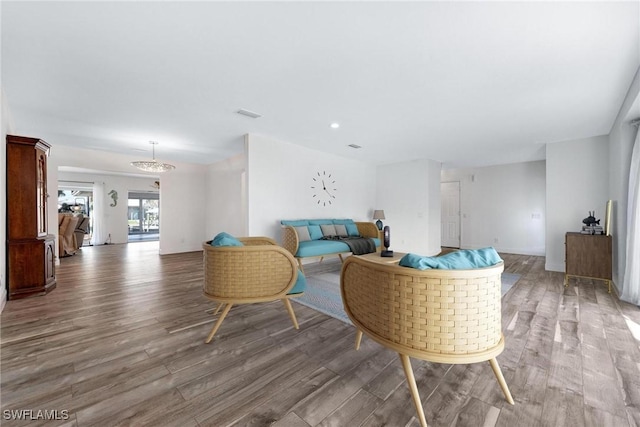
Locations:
588 256
375 257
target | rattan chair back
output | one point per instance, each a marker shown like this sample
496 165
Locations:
258 271
443 316
448 316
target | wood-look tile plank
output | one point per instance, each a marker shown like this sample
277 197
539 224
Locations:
290 420
332 395
353 411
562 407
254 388
278 407
476 413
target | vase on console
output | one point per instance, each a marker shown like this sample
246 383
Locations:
386 243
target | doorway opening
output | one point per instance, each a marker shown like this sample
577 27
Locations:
143 216
76 198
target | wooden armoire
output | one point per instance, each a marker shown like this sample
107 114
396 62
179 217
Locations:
30 248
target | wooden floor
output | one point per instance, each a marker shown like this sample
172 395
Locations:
121 342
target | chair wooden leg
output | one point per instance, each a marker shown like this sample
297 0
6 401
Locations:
300 265
218 308
411 381
287 304
503 384
341 259
358 338
218 322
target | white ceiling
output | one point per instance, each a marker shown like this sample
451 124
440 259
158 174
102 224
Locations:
467 84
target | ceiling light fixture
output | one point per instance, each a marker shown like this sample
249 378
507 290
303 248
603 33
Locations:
153 165
334 125
356 146
248 113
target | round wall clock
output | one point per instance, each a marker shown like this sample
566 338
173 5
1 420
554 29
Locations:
324 188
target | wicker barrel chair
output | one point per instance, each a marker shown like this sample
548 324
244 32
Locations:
258 271
442 316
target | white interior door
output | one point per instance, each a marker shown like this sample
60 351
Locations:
450 215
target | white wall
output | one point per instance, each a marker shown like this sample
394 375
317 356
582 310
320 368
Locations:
279 180
577 182
621 140
226 197
182 209
502 206
6 127
409 194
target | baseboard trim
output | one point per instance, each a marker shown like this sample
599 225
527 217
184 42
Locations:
550 266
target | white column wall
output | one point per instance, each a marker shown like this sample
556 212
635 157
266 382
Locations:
226 198
409 194
577 182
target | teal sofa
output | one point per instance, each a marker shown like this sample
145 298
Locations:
304 237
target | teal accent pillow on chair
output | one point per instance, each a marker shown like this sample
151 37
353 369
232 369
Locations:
301 284
225 239
458 260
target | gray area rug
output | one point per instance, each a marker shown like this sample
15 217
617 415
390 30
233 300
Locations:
323 293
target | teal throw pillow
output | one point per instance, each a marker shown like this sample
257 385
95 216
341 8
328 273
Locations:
342 221
315 232
458 260
301 284
225 239
320 221
352 230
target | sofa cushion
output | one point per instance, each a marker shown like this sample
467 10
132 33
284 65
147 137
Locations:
225 239
320 221
321 247
300 286
343 221
295 223
315 232
463 259
328 230
341 230
324 247
303 233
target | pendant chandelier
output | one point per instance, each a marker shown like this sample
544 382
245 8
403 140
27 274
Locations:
153 165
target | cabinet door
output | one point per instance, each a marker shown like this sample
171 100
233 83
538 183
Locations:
50 262
588 255
41 192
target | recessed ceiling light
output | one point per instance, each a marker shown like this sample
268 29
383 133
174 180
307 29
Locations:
335 125
356 146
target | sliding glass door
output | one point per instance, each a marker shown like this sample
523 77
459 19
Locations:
143 216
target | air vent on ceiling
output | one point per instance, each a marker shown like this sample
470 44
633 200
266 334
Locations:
355 146
248 113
